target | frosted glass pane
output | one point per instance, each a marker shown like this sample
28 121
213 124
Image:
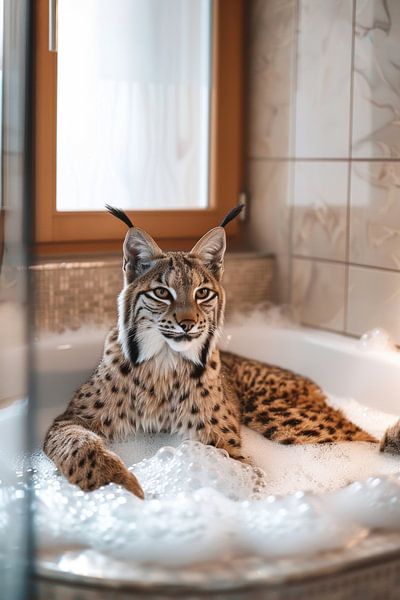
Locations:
133 104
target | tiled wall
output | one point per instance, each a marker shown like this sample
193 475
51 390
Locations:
323 156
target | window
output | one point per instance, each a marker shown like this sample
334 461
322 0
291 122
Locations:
133 104
141 108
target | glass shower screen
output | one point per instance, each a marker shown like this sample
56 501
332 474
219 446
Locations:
133 104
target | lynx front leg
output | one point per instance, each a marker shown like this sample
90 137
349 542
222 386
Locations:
222 430
84 460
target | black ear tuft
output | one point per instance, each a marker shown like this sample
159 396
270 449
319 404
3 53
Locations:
117 212
232 214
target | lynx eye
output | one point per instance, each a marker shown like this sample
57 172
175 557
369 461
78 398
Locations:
203 293
161 293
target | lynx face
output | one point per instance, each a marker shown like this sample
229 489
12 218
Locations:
172 302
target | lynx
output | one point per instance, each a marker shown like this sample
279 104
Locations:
162 371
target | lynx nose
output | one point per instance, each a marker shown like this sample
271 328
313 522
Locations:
187 324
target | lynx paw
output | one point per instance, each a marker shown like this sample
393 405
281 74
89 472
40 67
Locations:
246 460
391 440
96 468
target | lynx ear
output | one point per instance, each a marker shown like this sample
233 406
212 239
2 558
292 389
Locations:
211 249
139 252
139 247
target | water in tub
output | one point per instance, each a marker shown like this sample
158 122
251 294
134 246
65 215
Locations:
202 506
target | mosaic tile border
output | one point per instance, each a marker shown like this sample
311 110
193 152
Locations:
70 294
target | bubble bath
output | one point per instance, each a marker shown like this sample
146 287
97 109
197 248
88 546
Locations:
201 506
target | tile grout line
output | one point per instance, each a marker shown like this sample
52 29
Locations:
246 129
320 159
292 176
349 173
343 263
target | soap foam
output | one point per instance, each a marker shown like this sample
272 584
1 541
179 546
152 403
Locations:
201 505
377 340
266 314
324 467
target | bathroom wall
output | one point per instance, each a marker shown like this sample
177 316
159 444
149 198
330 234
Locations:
323 157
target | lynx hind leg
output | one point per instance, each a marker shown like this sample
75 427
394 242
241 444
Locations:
310 420
286 407
391 440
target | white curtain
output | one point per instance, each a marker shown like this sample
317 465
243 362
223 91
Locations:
133 104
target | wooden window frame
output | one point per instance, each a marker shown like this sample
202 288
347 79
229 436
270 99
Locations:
95 231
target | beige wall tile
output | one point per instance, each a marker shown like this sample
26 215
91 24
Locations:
376 108
323 78
320 209
375 214
318 293
271 76
268 227
373 301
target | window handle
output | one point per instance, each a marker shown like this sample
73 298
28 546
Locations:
53 15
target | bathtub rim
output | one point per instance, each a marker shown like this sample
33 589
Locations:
313 573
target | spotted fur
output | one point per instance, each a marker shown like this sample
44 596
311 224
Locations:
161 370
